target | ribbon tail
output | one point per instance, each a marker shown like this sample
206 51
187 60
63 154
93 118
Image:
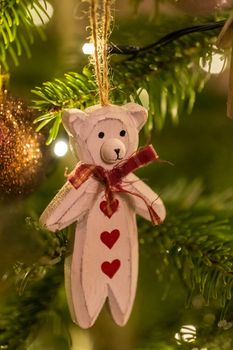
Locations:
155 218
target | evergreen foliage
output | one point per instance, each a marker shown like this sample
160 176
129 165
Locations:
20 320
171 84
36 289
75 90
17 29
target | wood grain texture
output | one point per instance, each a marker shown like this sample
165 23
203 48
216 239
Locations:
69 205
89 286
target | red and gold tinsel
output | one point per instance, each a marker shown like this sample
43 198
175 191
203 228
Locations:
21 156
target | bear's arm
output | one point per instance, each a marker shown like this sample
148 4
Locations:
69 205
134 184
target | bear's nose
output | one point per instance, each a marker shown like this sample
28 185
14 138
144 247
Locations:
117 150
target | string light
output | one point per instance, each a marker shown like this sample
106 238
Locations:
88 49
60 148
187 334
38 15
214 65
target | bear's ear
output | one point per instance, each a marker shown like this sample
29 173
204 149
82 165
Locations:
138 113
73 119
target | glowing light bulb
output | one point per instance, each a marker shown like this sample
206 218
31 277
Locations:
60 148
39 17
187 334
88 48
215 65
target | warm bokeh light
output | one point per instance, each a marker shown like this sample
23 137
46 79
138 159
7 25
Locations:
186 334
88 49
60 148
39 17
215 65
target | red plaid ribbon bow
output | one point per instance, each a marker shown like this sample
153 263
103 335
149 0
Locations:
112 179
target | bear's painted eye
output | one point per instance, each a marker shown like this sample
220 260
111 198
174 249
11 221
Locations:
122 133
101 135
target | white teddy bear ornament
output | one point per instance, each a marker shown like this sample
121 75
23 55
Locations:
103 196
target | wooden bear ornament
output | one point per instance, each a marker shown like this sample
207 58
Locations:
103 196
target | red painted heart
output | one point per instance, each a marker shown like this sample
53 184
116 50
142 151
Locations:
110 238
110 268
109 208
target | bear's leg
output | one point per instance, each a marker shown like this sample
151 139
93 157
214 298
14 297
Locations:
85 292
122 289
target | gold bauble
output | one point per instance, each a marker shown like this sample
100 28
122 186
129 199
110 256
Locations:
21 157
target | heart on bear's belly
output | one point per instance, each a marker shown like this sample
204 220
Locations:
110 238
109 208
110 268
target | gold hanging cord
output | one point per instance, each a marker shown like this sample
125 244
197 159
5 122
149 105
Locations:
100 27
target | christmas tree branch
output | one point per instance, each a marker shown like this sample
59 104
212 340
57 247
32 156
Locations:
75 90
200 246
36 289
169 74
21 315
17 27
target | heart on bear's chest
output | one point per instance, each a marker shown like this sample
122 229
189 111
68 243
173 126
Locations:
109 208
110 238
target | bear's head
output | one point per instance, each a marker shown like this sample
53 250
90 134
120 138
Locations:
104 135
